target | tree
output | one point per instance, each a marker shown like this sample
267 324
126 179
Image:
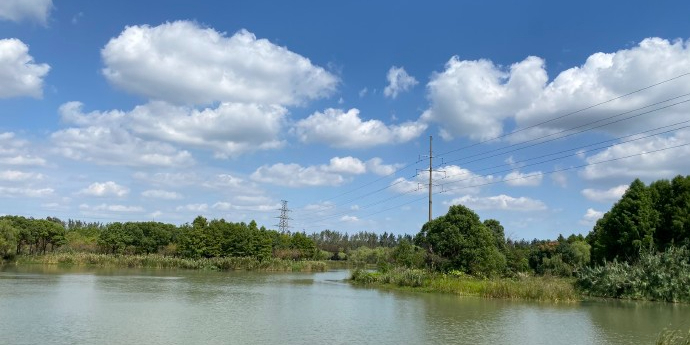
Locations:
627 228
462 242
499 233
8 239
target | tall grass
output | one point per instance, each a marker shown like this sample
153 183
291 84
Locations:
655 276
160 261
526 288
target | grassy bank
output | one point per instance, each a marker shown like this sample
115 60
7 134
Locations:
159 261
527 288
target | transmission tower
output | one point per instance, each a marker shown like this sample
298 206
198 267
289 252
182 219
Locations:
431 172
283 219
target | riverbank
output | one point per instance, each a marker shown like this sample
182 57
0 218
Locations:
550 289
160 261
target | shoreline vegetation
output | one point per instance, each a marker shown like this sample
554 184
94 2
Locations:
534 288
638 250
159 261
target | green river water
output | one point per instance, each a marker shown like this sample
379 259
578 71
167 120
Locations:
50 305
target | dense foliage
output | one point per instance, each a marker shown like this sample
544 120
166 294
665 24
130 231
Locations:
644 219
655 276
459 240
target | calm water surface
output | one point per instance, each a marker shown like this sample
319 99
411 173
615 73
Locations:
48 305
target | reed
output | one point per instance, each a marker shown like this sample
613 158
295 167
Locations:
525 288
160 261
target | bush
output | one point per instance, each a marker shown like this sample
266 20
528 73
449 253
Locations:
660 277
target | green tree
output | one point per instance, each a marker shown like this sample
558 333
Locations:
9 236
499 233
627 228
463 242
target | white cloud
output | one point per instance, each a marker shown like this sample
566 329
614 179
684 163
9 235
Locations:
376 166
398 81
19 75
295 175
169 179
519 179
227 206
111 208
346 129
335 173
363 92
26 192
116 146
349 219
161 194
608 75
346 165
652 165
452 179
104 189
610 195
472 98
560 179
152 61
591 216
229 129
499 202
22 160
19 10
193 208
15 176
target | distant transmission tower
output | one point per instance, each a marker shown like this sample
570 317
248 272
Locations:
283 225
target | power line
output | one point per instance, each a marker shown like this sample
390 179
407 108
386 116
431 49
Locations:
515 132
529 176
567 114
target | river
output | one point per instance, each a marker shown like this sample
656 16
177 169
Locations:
50 305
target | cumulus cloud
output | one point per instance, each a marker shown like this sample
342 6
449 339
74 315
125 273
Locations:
116 146
193 208
17 176
20 10
111 208
475 98
472 98
500 202
152 61
104 189
230 129
591 216
518 179
19 75
452 179
398 82
347 130
26 192
609 195
349 219
338 171
661 160
161 194
15 151
228 206
604 76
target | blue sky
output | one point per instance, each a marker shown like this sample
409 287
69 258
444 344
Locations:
165 110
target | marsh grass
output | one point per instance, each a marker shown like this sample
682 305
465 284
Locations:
524 288
160 261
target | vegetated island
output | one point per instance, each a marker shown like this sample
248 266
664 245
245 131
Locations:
638 250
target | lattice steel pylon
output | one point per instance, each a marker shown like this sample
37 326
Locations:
283 225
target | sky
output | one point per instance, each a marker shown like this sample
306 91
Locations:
540 113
